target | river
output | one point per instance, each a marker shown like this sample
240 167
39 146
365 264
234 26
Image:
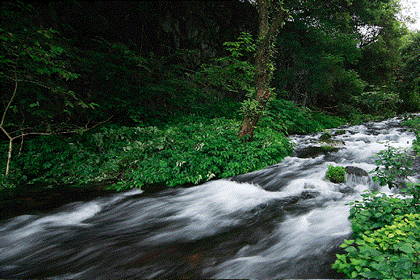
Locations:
284 221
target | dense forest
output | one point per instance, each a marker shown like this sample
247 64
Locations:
138 93
162 94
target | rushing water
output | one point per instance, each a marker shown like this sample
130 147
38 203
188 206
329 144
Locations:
285 221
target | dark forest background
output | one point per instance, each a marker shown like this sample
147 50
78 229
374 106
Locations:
150 93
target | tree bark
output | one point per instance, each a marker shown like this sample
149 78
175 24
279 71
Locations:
264 70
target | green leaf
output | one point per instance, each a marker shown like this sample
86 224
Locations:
36 104
354 274
351 250
406 248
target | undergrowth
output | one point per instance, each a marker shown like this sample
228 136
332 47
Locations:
191 152
290 118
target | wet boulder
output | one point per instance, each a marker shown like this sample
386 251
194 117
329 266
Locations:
356 171
315 151
358 176
309 194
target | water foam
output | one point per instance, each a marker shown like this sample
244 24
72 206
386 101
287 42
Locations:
210 208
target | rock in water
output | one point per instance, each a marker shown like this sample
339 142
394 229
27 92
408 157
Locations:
356 171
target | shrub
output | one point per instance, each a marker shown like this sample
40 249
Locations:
201 151
6 182
289 118
414 123
336 174
385 228
388 253
328 148
377 210
378 101
191 152
394 165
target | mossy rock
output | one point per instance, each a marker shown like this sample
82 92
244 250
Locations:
339 132
325 136
329 148
336 174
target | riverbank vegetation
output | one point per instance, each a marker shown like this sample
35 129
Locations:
386 228
190 152
151 94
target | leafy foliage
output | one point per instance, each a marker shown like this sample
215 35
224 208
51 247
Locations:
315 54
394 165
35 64
34 71
229 76
199 62
377 102
414 123
7 182
391 252
410 83
336 174
141 156
289 118
325 136
377 210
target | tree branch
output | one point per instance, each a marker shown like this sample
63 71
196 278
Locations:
61 132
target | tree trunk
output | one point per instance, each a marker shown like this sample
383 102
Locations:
264 69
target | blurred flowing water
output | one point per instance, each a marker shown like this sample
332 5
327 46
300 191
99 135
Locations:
285 221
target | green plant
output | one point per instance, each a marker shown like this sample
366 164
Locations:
325 136
339 132
377 210
290 118
336 174
386 232
229 76
394 165
392 251
193 151
7 182
414 123
409 83
205 150
328 148
375 102
35 70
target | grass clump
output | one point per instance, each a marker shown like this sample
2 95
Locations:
336 174
329 148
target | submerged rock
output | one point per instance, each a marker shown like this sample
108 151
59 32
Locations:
346 190
309 194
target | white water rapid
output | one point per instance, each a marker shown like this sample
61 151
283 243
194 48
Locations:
285 221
